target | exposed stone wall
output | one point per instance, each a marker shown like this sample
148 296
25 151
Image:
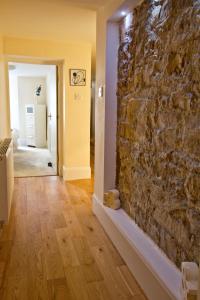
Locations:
158 139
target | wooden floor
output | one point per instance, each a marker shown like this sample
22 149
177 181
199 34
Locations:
54 247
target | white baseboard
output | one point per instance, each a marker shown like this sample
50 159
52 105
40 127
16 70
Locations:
159 278
76 173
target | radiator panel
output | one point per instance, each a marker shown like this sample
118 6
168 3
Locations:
6 179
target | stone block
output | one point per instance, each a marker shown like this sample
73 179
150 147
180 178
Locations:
158 138
111 199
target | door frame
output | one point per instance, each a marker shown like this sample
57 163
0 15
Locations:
59 63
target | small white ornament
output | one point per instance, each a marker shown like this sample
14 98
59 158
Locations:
190 273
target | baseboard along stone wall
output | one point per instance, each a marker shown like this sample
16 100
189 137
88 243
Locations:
158 133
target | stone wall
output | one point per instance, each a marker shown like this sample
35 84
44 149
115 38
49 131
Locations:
158 138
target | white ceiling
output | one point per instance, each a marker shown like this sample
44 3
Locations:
30 70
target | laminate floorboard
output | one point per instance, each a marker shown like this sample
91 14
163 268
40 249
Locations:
54 248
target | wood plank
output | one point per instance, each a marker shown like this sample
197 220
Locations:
129 280
72 224
116 287
54 265
33 226
20 197
2 272
8 230
59 290
37 283
90 226
20 228
55 248
18 262
46 224
66 247
53 261
76 283
83 251
5 250
138 297
98 291
86 259
15 288
92 273
58 220
77 196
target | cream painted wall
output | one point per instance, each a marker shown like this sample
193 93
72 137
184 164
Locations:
48 19
32 19
54 30
1 44
76 133
4 120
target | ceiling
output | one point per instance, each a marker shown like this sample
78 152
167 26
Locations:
91 4
85 4
30 70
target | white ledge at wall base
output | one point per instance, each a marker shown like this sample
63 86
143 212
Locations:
159 278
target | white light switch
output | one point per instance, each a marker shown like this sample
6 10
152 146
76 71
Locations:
100 92
77 96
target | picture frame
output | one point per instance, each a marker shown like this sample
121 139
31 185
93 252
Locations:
77 77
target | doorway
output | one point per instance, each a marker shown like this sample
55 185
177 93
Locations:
33 116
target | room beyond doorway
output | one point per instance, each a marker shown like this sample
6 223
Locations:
33 118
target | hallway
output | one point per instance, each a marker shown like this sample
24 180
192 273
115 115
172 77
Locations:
30 162
55 248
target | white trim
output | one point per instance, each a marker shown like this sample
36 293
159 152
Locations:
76 173
157 275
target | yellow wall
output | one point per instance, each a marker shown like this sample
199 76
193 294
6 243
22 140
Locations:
1 44
48 19
4 120
52 29
76 142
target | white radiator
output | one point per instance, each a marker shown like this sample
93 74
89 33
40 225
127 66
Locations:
6 178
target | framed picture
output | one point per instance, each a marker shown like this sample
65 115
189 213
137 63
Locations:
77 77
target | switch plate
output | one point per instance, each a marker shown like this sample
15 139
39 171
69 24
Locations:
77 96
100 92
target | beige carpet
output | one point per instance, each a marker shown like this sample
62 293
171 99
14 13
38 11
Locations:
32 162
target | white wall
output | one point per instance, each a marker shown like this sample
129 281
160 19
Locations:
103 16
29 76
26 95
104 163
93 111
52 109
14 94
14 103
23 70
112 45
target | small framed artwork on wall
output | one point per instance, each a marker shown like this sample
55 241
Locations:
77 77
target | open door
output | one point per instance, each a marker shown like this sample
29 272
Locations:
52 116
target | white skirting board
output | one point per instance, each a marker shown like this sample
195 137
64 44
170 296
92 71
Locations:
159 278
76 173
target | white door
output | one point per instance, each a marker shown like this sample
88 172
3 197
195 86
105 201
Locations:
52 114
